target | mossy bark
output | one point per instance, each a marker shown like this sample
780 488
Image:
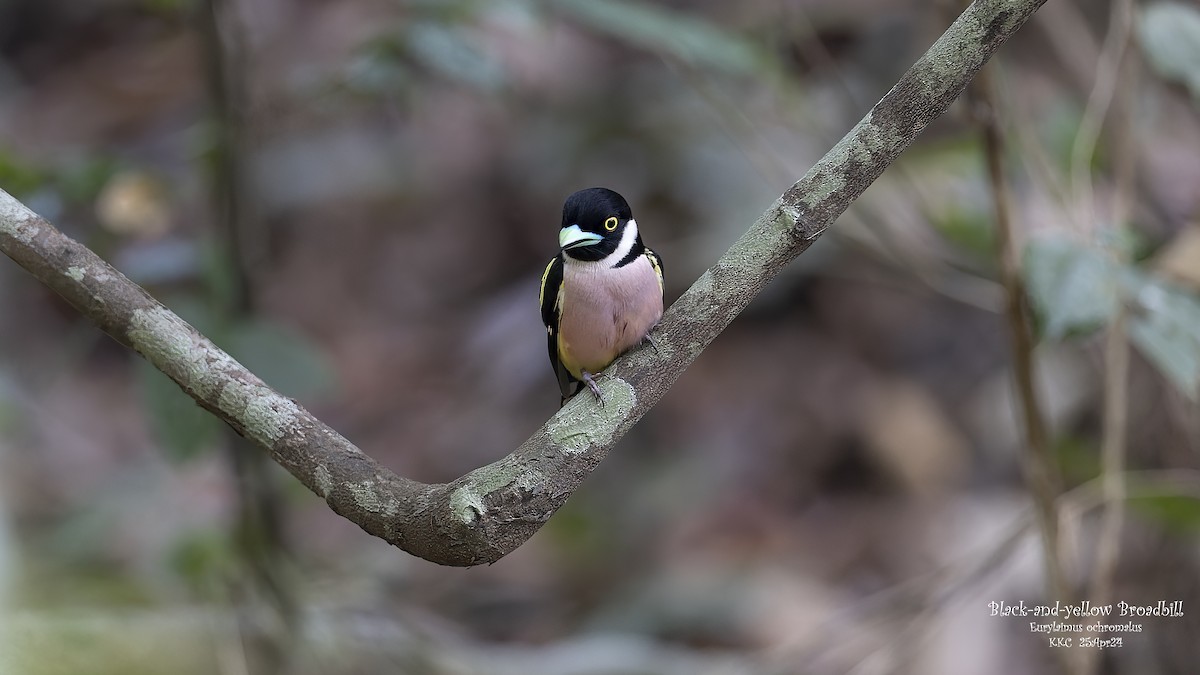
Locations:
487 513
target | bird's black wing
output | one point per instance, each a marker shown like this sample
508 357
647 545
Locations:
548 298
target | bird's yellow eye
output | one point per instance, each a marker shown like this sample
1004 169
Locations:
610 224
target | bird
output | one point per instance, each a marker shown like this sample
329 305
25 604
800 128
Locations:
602 294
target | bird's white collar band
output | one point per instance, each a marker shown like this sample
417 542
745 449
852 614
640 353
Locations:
628 238
575 234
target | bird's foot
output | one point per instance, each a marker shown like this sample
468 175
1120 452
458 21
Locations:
653 343
591 384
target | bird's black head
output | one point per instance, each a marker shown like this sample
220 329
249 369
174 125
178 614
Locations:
594 224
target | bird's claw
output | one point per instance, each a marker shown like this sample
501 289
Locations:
591 384
653 343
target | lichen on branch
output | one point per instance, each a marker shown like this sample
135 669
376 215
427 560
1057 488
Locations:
490 511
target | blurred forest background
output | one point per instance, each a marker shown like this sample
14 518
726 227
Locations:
357 197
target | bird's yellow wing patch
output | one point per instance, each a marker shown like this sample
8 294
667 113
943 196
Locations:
545 276
550 295
656 263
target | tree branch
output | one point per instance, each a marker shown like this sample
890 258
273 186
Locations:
487 513
1037 457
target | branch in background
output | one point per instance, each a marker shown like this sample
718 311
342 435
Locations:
259 535
865 229
1115 66
1067 32
1041 475
487 513
1101 96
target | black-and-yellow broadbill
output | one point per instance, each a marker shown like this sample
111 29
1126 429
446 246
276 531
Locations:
603 292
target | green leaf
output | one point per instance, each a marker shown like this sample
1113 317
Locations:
9 411
664 31
444 44
450 51
1167 333
580 532
1169 34
167 7
1075 287
83 181
1078 460
969 230
1178 513
219 274
377 71
204 558
18 177
182 427
283 358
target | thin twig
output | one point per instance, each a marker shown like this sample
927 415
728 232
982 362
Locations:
1140 484
1068 34
1114 64
1035 159
881 243
1108 73
258 532
1116 374
1037 462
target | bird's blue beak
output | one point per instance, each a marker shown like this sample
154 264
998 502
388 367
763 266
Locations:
572 237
